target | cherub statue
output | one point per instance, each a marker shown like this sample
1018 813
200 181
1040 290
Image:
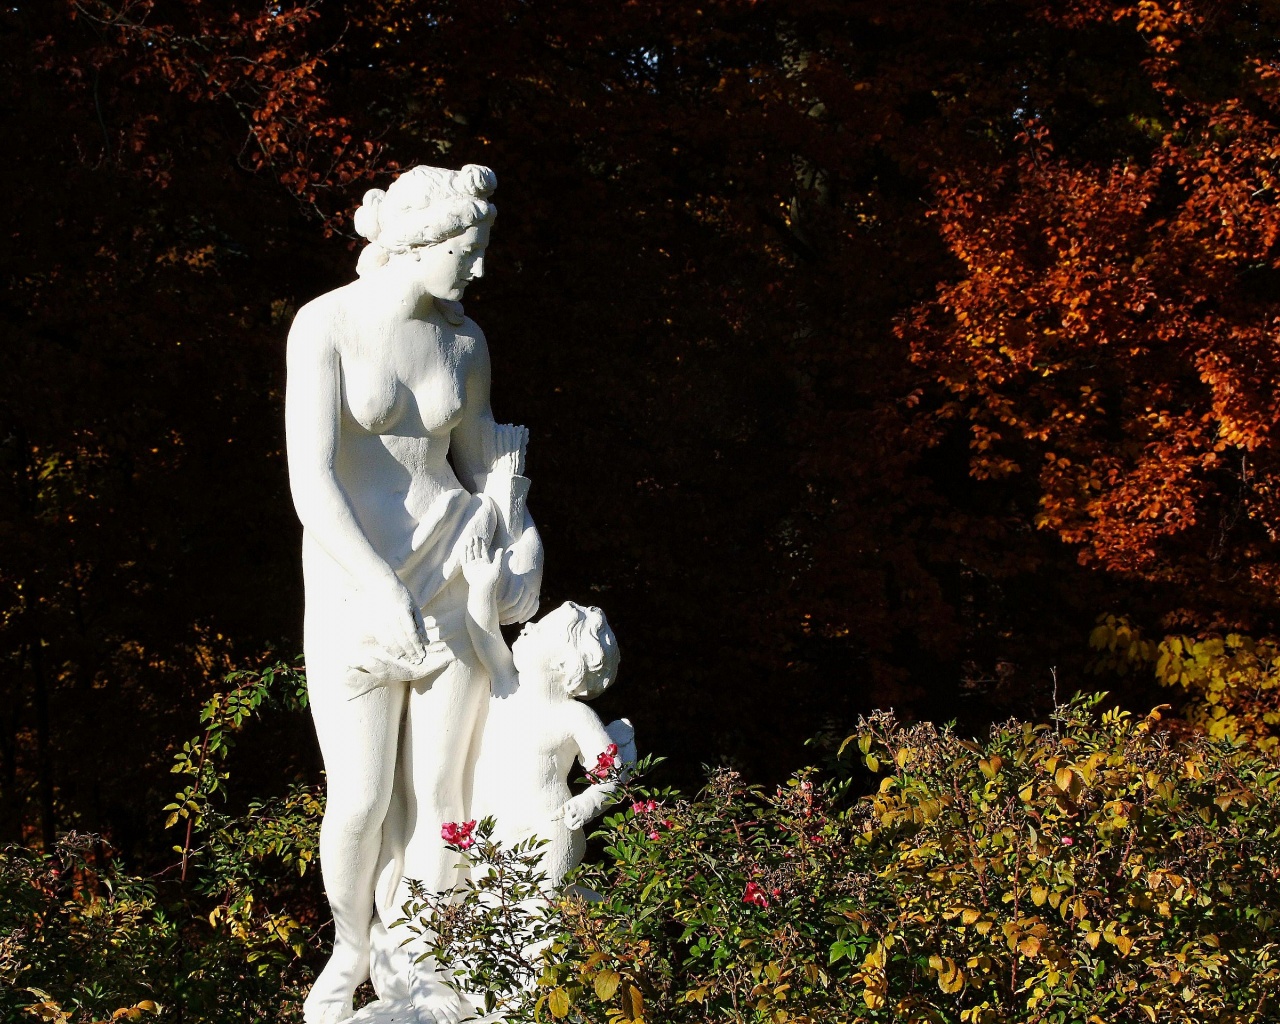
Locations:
537 725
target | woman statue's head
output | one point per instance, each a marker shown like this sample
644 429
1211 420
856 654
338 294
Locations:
425 206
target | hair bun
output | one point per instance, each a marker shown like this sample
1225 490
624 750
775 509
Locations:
475 180
367 221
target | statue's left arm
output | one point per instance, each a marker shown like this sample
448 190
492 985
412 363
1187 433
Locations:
476 453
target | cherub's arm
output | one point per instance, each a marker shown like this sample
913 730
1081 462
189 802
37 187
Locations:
592 740
483 573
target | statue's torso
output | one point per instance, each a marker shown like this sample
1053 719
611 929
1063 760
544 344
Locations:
404 390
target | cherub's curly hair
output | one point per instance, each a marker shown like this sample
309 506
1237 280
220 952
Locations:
594 665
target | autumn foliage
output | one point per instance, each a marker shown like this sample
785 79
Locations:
870 352
1113 331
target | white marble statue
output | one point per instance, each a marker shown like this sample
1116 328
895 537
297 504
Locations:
391 444
537 725
416 545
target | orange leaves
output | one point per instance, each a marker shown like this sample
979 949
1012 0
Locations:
1116 324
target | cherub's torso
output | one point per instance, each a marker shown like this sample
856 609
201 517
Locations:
526 754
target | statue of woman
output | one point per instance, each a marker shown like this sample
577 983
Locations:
391 443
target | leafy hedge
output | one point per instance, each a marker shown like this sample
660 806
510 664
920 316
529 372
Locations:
1097 868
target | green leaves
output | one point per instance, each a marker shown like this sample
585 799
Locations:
1098 870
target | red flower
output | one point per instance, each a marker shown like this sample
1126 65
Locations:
644 806
605 761
458 835
755 895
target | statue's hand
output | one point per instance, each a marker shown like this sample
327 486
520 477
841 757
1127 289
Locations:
482 568
396 624
578 810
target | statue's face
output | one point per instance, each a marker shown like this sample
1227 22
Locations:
449 266
540 648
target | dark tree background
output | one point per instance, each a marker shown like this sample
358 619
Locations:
764 286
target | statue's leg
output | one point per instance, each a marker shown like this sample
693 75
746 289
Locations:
358 738
440 731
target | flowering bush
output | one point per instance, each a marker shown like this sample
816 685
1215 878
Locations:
1098 868
458 835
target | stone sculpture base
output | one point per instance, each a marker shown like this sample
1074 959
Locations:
389 1011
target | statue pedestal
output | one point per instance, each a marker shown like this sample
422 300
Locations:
388 1011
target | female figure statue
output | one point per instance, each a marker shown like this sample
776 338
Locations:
391 443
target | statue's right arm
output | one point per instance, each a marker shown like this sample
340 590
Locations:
313 419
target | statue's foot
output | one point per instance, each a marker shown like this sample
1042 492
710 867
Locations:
434 1001
331 998
325 1011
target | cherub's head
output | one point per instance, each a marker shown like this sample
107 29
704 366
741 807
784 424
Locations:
572 646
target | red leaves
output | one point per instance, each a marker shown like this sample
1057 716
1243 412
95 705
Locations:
263 66
1122 353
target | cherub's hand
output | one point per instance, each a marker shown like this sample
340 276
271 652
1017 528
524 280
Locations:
578 810
506 455
481 567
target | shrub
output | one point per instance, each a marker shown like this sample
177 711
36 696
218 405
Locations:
1096 869
1099 868
1230 682
217 936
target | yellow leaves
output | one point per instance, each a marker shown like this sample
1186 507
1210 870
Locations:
1026 936
135 1012
51 1012
950 978
47 1009
872 975
558 1002
199 259
606 984
697 995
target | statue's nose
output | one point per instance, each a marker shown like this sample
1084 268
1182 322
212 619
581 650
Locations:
477 268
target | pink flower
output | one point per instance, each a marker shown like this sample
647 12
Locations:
754 895
458 835
605 761
1068 841
644 806
653 835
